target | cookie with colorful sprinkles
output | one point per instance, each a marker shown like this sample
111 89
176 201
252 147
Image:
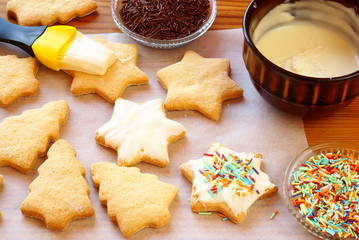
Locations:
226 181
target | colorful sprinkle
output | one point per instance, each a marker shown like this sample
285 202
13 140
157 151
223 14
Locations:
228 171
224 217
325 192
275 213
204 213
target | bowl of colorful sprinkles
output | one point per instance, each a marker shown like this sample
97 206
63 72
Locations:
321 190
164 24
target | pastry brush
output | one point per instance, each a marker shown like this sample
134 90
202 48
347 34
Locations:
59 47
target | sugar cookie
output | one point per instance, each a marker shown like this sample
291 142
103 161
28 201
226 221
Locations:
25 137
139 132
134 200
122 74
60 193
198 83
227 181
17 78
48 12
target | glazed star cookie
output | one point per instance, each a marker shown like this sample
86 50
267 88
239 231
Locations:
122 74
17 78
227 182
139 132
134 200
198 83
48 12
25 137
60 192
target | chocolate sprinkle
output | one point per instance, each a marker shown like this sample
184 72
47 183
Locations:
164 19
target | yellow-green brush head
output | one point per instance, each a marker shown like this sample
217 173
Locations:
48 46
63 47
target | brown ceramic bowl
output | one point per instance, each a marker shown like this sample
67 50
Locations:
289 91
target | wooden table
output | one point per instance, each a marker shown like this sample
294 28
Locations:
342 125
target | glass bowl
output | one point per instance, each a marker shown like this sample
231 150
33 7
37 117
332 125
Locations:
324 148
158 43
288 91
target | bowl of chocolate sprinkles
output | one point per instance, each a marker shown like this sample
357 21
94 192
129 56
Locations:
164 24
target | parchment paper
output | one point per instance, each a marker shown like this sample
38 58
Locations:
248 124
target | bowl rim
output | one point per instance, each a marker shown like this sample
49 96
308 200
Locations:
347 145
163 42
298 77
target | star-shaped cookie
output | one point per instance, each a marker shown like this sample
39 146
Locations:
48 12
17 78
139 132
198 83
119 76
227 181
134 200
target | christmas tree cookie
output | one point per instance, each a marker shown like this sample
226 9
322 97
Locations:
60 193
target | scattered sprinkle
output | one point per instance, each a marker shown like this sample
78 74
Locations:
204 213
325 191
275 213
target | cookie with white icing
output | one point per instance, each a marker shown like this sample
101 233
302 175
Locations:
140 132
227 181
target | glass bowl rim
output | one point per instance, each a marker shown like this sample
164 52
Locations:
162 43
293 165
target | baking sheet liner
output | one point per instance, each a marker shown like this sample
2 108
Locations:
247 124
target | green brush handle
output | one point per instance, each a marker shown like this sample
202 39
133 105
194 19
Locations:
20 36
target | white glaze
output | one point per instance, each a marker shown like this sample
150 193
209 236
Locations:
311 38
139 129
234 201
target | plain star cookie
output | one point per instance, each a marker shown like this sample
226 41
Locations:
122 74
124 52
197 83
25 137
48 12
134 200
17 78
227 182
60 193
139 132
